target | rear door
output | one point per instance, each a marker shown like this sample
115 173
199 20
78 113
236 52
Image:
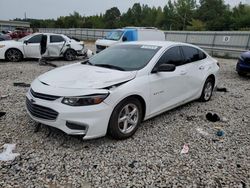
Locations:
196 67
55 45
32 47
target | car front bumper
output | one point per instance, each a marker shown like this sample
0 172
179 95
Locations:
87 121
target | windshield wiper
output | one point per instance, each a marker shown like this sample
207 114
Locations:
85 62
110 66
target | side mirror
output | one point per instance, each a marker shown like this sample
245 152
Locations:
124 39
25 42
164 68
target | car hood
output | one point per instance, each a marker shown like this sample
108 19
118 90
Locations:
245 55
105 42
79 76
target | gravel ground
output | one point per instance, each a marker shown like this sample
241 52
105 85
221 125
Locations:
151 158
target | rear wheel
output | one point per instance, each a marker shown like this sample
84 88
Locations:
70 55
13 55
207 90
125 119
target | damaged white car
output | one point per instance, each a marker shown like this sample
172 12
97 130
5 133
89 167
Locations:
115 90
58 45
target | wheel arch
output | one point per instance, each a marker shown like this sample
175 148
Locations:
141 100
68 50
212 77
13 49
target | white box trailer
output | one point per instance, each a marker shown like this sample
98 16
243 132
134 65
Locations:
128 34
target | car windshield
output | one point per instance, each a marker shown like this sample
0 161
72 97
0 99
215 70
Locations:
125 57
114 35
26 38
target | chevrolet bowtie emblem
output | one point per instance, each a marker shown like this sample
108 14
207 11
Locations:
32 101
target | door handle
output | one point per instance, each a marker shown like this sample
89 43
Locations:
183 72
201 67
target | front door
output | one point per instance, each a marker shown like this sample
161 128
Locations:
169 88
32 47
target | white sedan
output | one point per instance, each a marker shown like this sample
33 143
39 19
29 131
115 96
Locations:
58 45
115 90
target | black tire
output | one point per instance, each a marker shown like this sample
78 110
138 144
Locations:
114 128
13 55
207 90
70 55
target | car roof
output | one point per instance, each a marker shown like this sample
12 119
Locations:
38 33
164 44
156 43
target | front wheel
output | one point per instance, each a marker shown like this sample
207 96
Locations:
70 55
207 90
13 55
125 119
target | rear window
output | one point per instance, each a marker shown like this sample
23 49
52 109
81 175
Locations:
56 38
172 56
192 54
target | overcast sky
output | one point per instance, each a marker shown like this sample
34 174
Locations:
41 9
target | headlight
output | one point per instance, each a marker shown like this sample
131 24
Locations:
85 100
1 46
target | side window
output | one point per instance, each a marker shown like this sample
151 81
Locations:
35 39
172 56
202 55
56 38
191 54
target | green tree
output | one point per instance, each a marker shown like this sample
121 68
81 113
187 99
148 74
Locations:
169 16
241 17
197 25
184 12
112 18
215 14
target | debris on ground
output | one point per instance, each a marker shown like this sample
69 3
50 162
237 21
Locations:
221 89
21 84
202 132
4 96
132 165
47 64
2 114
7 154
219 132
213 117
223 119
185 149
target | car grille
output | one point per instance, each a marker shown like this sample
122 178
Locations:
43 96
41 111
99 47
